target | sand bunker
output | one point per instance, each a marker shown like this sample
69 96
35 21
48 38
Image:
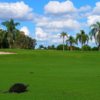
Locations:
2 53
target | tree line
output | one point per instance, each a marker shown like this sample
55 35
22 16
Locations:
71 43
83 38
11 37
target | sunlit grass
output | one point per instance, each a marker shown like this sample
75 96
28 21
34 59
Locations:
51 75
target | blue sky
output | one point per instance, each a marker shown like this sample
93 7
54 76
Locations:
46 19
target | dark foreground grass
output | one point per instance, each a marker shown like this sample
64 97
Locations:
51 75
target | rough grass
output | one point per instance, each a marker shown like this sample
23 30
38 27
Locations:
51 75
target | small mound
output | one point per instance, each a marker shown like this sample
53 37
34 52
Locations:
18 88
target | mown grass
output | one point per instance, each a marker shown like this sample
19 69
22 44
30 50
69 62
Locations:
51 75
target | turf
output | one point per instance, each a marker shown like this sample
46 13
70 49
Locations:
51 75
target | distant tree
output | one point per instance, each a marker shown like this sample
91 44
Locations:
95 32
1 38
86 48
94 48
63 35
41 46
23 41
71 41
11 31
20 40
82 38
52 47
60 47
13 38
31 43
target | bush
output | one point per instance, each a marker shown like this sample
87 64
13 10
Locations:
86 48
73 48
60 47
76 48
52 47
95 48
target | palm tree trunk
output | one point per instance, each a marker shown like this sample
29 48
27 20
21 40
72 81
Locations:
71 47
63 44
9 45
82 46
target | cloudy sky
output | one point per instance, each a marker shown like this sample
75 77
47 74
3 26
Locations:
46 19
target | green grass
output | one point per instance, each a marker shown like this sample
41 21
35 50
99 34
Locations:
56 75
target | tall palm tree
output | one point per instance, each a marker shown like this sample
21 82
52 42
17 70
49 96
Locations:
82 38
11 30
95 33
63 35
71 41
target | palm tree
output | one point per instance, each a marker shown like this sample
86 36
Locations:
63 35
11 30
71 41
82 38
95 33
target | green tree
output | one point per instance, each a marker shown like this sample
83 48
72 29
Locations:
95 33
24 42
60 47
1 38
82 38
52 47
31 43
71 41
63 35
11 31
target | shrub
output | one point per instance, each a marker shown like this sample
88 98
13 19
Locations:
60 47
73 48
52 47
86 48
95 48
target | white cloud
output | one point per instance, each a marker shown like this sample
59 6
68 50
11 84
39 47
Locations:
58 17
48 26
54 38
56 7
53 24
18 10
93 19
40 34
94 16
85 8
96 9
92 42
25 30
